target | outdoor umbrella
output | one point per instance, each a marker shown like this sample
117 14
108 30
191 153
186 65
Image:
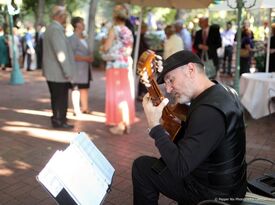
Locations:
177 4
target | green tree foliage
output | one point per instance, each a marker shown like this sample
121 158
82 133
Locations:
104 10
29 7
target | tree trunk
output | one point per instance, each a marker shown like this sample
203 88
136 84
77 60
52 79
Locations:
91 23
61 2
40 12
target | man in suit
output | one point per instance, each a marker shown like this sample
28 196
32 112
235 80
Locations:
58 66
208 39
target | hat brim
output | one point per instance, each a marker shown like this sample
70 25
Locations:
177 60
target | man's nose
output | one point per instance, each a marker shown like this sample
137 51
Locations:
168 88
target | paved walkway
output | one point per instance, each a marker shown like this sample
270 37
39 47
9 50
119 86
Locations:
27 141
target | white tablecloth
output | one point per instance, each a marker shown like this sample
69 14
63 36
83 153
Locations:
255 91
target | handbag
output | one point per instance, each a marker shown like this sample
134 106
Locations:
210 69
244 53
108 55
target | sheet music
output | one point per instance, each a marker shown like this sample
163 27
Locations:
81 169
84 144
48 176
80 178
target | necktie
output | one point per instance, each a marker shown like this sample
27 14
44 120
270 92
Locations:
204 36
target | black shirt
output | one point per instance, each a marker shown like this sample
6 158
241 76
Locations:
207 127
211 145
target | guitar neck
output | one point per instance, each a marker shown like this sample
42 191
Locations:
155 92
169 121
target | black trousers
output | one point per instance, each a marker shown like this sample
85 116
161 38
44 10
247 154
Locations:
228 52
148 184
59 101
29 61
245 64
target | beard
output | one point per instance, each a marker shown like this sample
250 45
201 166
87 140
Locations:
181 99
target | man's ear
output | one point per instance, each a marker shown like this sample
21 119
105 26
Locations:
191 69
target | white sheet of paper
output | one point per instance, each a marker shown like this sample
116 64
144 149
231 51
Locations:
48 175
89 149
80 178
81 169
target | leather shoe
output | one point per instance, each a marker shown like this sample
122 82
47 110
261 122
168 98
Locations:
87 112
62 125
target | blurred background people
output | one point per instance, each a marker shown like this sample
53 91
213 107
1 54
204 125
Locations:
184 34
30 60
173 43
245 59
83 60
40 29
3 49
228 40
143 46
208 39
119 104
272 50
58 66
246 25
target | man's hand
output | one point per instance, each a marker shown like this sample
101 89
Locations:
153 113
203 47
89 59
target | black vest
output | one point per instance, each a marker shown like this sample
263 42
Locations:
225 168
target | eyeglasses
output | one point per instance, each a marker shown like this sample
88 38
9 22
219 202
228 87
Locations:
168 82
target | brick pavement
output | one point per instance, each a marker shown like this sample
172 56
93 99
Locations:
27 141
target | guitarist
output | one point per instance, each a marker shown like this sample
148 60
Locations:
208 159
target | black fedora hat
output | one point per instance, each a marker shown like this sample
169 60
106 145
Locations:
176 60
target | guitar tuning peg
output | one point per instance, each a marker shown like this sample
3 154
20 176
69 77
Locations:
159 63
158 57
145 80
159 66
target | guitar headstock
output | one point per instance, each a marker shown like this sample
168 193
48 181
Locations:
149 63
146 64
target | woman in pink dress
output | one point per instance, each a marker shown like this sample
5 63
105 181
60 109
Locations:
116 50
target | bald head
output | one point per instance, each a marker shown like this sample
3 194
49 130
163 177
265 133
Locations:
178 25
59 13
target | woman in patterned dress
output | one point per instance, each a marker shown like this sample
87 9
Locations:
117 48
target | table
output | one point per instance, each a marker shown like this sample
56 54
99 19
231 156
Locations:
255 92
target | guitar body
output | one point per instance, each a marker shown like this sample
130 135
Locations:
172 116
170 123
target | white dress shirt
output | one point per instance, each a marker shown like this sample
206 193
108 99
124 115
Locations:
172 45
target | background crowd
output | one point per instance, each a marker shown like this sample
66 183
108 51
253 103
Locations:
210 41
